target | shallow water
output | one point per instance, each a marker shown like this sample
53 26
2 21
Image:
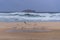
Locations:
27 30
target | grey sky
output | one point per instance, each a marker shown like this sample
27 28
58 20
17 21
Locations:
38 5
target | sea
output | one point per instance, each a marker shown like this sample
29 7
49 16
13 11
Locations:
29 17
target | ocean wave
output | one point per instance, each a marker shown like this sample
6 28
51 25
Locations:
21 16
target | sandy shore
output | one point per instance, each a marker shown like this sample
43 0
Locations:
30 25
52 35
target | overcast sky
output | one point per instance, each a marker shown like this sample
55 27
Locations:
38 5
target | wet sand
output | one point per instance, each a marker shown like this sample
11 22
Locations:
50 35
53 35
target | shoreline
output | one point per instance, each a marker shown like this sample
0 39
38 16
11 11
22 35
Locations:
30 25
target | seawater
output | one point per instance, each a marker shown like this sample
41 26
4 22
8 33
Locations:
29 17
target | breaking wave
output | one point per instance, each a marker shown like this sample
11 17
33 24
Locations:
22 16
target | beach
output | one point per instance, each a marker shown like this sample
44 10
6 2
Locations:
30 25
54 34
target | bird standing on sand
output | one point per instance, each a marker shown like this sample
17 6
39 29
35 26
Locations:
25 22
